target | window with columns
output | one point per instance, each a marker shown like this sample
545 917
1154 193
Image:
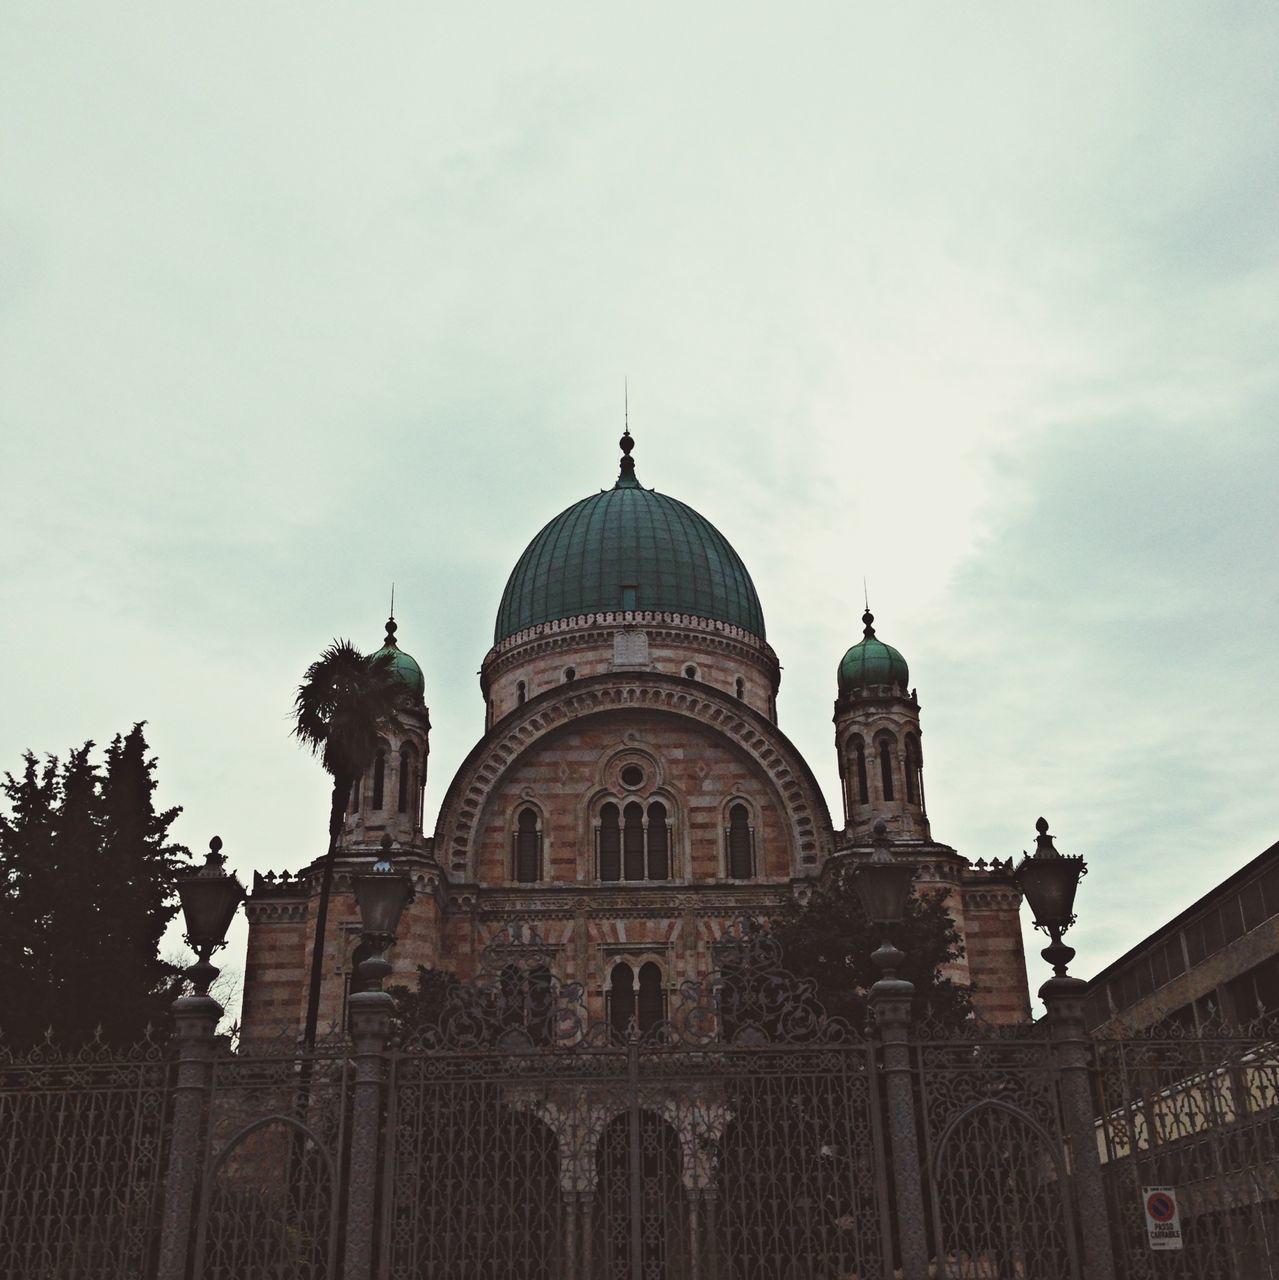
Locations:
633 842
643 1001
914 780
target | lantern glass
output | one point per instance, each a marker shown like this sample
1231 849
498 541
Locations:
883 887
1048 884
208 906
382 897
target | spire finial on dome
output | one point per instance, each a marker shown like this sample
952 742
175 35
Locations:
626 480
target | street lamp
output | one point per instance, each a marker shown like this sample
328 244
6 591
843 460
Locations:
209 900
883 885
381 894
1048 881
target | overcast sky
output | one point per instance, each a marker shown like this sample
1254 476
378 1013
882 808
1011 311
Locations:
977 302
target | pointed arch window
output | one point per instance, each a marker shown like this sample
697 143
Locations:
610 843
741 843
527 855
912 769
886 767
406 780
379 780
621 999
650 1003
863 779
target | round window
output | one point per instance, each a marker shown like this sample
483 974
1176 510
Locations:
632 776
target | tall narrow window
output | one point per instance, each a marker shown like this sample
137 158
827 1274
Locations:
633 843
406 780
610 843
740 687
528 848
621 999
912 769
740 842
651 1005
886 767
379 780
355 795
659 859
863 781
521 693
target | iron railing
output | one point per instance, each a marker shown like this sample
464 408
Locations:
745 1137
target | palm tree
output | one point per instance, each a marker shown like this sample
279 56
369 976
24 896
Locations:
345 701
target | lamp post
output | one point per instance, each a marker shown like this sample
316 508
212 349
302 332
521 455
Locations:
1048 881
209 899
381 894
883 885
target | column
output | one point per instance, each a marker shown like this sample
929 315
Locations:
194 1021
370 1022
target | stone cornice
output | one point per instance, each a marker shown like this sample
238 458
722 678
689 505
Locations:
776 756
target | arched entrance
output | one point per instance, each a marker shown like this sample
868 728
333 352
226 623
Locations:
639 1215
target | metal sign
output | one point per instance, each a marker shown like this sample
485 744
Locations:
1163 1220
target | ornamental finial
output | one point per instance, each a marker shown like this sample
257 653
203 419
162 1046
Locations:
868 621
627 477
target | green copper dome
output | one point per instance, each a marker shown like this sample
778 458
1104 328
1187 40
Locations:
872 662
403 664
628 548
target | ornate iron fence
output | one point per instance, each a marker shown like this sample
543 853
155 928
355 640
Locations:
745 1137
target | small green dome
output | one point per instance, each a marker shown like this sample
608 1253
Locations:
872 662
403 664
628 548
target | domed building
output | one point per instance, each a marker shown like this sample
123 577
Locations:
632 793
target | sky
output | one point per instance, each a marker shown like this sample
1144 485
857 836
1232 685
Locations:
974 303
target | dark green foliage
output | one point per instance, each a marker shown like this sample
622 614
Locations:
829 941
87 879
421 1008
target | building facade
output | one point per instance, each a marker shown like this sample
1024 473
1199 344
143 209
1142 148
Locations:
1216 963
632 793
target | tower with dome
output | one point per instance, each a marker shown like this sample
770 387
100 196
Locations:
632 793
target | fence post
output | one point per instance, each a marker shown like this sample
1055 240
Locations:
890 998
194 1020
370 1030
1063 997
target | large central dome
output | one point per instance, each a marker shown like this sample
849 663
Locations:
629 548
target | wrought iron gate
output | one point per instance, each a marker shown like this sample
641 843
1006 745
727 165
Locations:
525 1141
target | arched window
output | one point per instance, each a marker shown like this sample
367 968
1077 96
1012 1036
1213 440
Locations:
610 843
740 687
621 999
355 795
690 672
886 767
659 862
863 781
570 673
650 1007
741 843
406 779
633 842
912 768
521 693
379 780
528 848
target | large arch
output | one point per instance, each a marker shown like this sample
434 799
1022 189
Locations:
797 793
